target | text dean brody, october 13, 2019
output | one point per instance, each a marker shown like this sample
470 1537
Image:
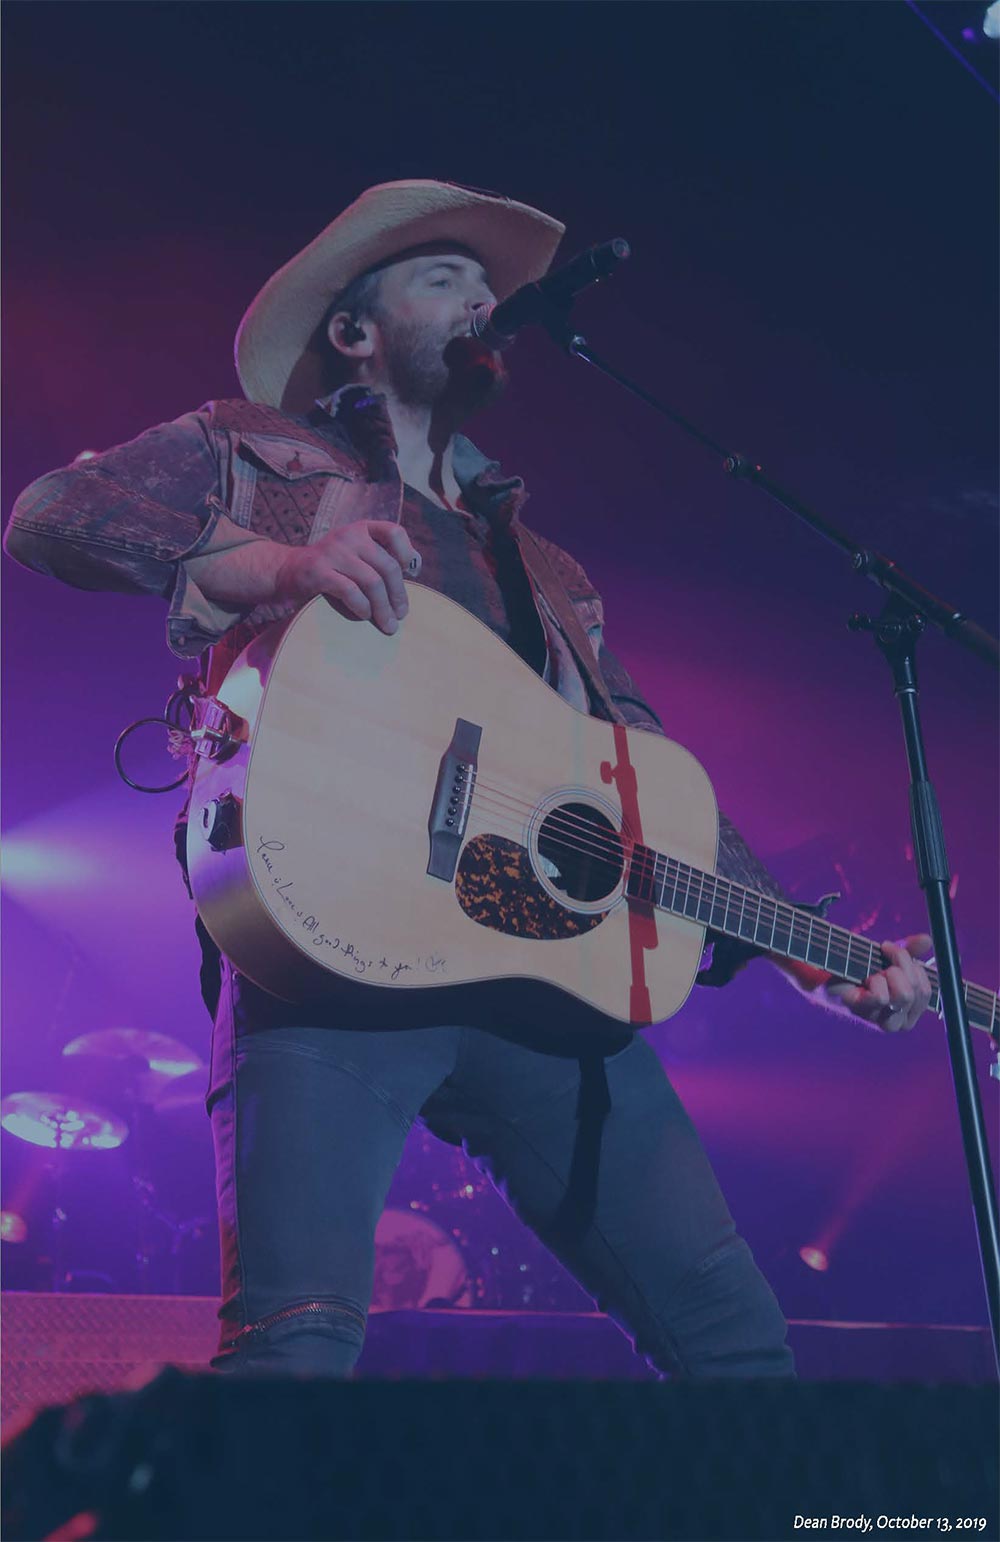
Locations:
866 1523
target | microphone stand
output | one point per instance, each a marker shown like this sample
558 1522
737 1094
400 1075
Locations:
905 613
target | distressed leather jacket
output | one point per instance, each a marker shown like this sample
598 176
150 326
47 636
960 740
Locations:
132 517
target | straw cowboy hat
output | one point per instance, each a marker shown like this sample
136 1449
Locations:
281 355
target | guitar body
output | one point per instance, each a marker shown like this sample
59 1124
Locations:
352 758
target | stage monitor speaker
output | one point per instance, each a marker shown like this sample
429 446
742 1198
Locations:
211 1459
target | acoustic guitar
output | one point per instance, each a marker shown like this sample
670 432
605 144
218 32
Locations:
420 826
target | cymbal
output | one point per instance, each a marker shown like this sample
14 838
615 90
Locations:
49 1119
13 1227
156 1052
183 1092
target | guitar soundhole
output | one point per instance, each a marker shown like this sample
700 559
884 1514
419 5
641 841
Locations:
582 852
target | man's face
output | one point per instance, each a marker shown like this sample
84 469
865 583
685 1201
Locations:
424 348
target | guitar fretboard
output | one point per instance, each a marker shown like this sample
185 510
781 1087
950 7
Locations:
774 926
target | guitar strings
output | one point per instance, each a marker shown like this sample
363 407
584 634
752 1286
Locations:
531 808
589 838
612 849
698 883
800 924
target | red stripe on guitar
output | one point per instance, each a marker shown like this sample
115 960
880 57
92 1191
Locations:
641 914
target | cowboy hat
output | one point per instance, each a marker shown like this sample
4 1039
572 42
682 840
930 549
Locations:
281 358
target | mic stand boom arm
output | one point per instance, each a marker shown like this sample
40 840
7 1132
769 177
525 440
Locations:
907 610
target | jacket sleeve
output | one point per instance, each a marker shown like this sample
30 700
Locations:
127 520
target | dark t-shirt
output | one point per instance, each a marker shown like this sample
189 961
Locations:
476 564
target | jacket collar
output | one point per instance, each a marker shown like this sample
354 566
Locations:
484 486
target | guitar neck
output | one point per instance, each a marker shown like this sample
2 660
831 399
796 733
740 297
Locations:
775 926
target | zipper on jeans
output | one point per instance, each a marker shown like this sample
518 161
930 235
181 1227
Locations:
305 1309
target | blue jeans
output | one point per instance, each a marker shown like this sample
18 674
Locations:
587 1142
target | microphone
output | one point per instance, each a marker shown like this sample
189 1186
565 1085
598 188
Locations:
532 304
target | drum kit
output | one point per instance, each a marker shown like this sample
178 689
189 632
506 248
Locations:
445 1240
119 1085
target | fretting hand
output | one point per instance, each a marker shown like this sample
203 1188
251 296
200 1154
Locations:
892 998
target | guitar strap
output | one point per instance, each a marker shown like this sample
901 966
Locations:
547 581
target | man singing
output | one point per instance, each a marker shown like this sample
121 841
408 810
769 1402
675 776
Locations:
342 472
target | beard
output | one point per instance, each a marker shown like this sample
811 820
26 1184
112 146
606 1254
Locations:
457 374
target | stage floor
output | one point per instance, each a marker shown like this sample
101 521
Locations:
56 1347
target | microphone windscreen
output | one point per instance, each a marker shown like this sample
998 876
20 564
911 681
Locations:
482 328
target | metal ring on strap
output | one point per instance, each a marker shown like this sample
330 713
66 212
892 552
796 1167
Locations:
120 741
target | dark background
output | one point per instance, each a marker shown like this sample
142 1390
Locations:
810 193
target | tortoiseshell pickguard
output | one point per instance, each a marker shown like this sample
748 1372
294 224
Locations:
497 887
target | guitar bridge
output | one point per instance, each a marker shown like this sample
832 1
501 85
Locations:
452 800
